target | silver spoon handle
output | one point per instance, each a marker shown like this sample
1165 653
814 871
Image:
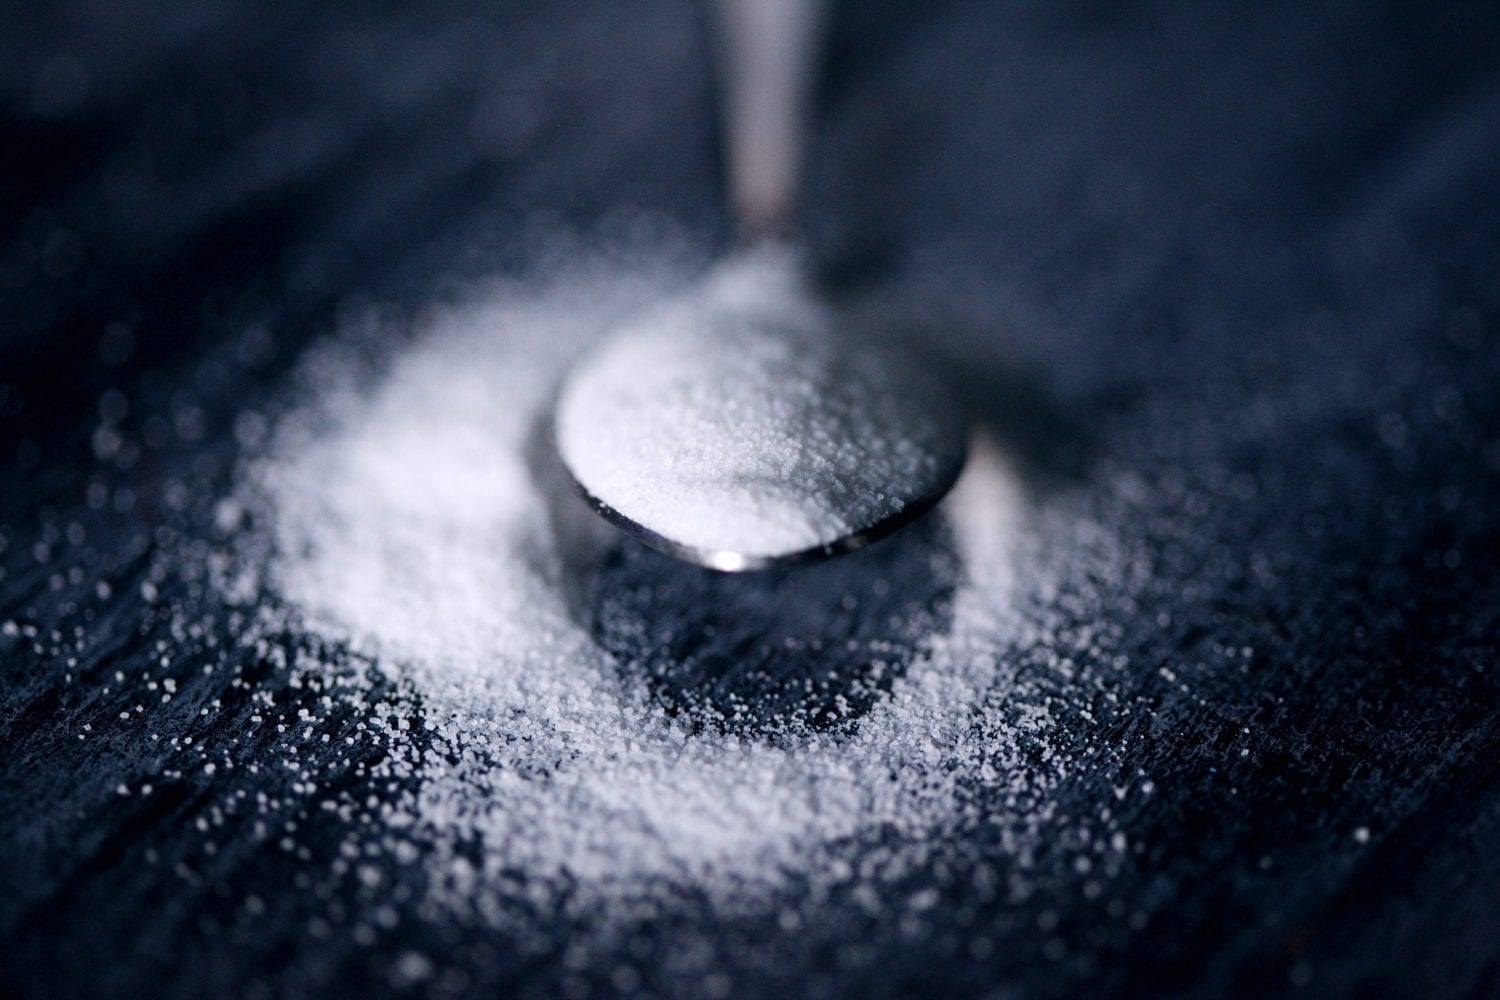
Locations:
769 52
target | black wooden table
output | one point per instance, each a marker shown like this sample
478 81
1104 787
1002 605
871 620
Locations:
1228 281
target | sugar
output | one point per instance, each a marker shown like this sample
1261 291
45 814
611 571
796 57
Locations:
405 520
736 419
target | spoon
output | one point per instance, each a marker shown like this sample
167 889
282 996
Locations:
735 427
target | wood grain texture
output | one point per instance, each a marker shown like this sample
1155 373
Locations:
1229 278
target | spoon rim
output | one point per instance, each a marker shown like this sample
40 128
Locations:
729 561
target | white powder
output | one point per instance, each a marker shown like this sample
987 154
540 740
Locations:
734 419
408 523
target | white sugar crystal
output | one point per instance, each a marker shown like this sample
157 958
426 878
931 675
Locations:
408 523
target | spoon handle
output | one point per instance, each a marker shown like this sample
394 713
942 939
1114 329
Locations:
768 56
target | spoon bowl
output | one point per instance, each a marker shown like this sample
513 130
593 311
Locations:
736 428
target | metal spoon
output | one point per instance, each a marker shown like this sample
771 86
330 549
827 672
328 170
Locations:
735 427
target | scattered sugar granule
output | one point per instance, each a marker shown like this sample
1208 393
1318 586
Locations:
409 524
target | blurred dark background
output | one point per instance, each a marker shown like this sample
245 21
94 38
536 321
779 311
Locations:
1253 252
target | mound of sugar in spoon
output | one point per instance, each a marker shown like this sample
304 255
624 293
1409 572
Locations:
735 422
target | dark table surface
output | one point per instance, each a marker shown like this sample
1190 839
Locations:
1229 280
